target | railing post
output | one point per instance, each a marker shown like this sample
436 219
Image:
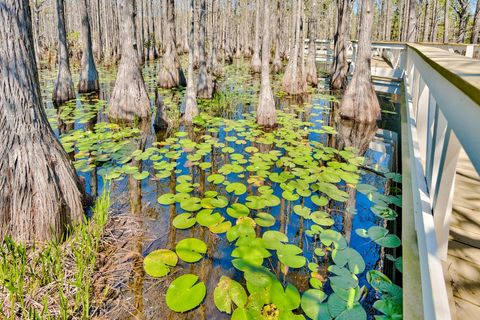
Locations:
469 51
430 146
422 118
443 198
438 141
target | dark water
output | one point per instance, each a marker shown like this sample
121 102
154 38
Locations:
142 296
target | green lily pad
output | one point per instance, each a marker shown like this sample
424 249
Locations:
184 293
191 204
207 218
166 199
285 300
191 249
289 255
229 292
220 227
158 263
319 201
237 188
349 256
339 309
302 211
289 195
216 178
311 303
274 239
141 175
184 221
238 210
264 219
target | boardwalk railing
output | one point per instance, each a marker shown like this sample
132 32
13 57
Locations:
441 115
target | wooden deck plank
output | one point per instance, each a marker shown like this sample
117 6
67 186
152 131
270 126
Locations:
465 279
462 268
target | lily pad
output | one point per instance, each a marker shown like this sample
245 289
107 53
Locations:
264 219
237 188
158 263
191 204
184 221
311 303
166 199
289 255
238 210
207 218
229 292
216 178
184 293
191 249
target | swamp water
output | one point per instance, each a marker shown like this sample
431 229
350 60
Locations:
223 217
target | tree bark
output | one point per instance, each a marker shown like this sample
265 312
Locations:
293 80
461 8
388 20
311 67
338 79
277 62
63 89
256 64
266 113
476 24
129 97
191 109
360 102
171 73
446 21
426 21
88 74
205 83
40 194
412 21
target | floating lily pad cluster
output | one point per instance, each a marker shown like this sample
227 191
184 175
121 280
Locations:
237 197
234 181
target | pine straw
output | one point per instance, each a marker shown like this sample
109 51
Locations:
119 276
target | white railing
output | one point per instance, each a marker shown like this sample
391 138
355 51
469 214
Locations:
442 116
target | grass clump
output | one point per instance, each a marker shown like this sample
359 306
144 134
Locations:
52 280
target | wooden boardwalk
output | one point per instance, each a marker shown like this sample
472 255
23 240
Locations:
462 268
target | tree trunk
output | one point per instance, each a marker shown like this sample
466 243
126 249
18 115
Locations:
340 66
88 74
360 102
63 90
462 9
277 62
256 63
293 80
446 21
388 20
40 194
266 113
129 97
426 21
433 22
311 67
191 109
171 73
476 24
205 83
412 21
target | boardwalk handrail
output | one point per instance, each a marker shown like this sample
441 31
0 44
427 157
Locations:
442 115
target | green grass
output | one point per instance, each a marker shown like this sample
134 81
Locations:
52 280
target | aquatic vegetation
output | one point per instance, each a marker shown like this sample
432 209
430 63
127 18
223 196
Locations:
279 202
